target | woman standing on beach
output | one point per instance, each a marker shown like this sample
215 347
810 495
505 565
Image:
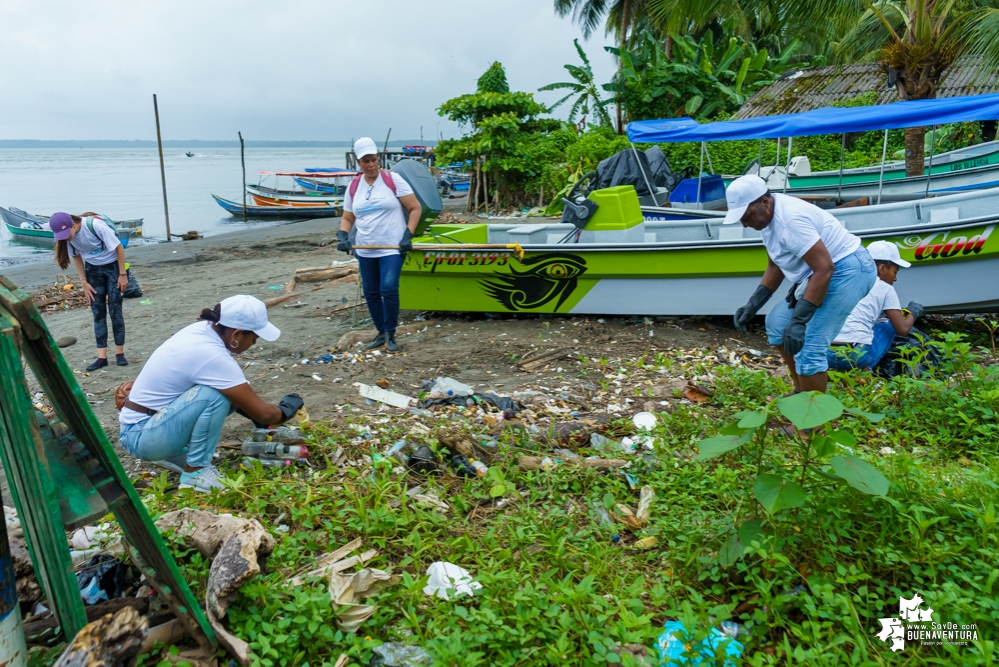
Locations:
376 201
100 261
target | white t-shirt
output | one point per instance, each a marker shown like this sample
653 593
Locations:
795 228
859 326
194 355
381 219
89 245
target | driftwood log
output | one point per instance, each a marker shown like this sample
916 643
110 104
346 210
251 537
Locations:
270 303
111 641
539 361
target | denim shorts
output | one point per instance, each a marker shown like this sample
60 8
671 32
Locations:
852 278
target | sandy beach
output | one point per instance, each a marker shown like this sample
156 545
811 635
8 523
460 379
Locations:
180 278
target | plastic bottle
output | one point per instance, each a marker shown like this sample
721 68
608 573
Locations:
267 463
398 452
274 450
447 387
282 434
479 467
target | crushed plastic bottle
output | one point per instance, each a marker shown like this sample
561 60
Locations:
248 462
275 451
398 452
479 467
447 387
397 654
283 434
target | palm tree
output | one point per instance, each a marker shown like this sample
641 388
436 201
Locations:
585 87
622 16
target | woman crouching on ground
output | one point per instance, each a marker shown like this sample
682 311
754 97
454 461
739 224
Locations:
99 258
377 201
174 413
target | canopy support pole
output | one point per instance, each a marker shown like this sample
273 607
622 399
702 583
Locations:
929 171
652 192
759 160
881 176
700 170
787 164
776 162
842 154
707 152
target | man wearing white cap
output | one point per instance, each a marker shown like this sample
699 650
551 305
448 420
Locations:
830 269
376 203
864 340
174 411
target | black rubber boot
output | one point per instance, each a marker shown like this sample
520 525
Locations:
390 343
377 342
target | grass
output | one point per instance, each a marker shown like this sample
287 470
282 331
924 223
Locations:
558 589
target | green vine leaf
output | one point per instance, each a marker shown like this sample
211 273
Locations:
860 474
776 493
810 409
718 445
751 418
873 417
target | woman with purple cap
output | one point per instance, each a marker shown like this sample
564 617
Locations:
375 206
99 258
175 409
829 268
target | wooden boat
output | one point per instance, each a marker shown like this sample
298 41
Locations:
283 212
269 190
263 196
316 185
35 228
618 262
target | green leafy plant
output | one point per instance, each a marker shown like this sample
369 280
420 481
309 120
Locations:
583 86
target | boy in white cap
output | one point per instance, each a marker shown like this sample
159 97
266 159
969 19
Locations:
864 340
175 409
829 267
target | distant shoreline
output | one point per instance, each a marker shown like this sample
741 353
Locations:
176 143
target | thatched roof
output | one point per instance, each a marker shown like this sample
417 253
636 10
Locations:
814 87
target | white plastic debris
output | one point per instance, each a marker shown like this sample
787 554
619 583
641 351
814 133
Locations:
384 396
88 536
645 421
444 576
448 387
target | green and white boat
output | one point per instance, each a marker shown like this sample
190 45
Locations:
620 262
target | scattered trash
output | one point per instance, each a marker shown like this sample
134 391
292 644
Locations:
671 648
535 462
276 287
346 590
384 396
697 393
644 421
249 462
645 504
431 499
624 515
148 302
445 387
604 444
398 452
423 461
603 516
462 467
282 434
445 577
273 450
102 579
88 536
646 542
397 654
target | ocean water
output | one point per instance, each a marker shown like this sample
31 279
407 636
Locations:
124 183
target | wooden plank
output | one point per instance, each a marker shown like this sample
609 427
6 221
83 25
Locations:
31 485
148 549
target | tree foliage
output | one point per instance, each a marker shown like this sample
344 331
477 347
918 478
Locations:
584 86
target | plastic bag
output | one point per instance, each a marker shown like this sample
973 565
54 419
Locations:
397 654
447 387
103 574
444 576
134 290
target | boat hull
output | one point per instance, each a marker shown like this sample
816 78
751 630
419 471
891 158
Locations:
955 270
279 212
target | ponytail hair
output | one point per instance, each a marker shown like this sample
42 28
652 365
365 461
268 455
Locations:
62 248
62 254
213 315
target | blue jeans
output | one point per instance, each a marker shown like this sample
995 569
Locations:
104 280
380 276
845 358
852 278
192 423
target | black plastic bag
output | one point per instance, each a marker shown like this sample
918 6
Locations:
903 348
109 572
133 291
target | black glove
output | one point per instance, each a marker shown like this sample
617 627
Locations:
289 405
406 244
916 309
794 333
343 239
748 312
791 299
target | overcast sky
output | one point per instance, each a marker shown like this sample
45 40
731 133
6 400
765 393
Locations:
307 70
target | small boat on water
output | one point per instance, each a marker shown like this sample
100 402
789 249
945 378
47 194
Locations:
607 257
274 189
35 228
264 196
280 212
189 154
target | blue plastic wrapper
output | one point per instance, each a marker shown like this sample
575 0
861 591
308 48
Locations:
671 649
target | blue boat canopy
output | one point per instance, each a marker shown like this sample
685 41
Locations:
827 120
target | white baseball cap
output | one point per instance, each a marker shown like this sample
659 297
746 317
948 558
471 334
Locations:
249 314
887 251
365 146
742 192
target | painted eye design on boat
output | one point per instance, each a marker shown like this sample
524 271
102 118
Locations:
559 269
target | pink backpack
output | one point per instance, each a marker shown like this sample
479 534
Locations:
386 177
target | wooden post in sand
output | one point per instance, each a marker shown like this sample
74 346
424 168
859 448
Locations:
242 159
159 142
